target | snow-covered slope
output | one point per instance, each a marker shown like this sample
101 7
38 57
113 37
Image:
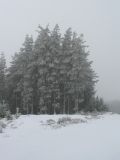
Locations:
34 138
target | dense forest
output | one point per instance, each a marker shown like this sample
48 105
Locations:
51 75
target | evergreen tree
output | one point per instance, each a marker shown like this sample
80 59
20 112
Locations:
54 68
65 66
2 78
16 77
27 93
82 75
41 59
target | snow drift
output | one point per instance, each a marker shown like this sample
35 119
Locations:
61 137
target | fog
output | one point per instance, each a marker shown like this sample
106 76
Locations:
98 20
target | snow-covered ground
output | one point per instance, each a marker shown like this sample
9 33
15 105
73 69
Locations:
43 138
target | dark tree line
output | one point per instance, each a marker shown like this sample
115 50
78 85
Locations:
50 75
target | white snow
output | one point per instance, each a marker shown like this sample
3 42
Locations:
30 138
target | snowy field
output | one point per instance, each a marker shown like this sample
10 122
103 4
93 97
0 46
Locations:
78 137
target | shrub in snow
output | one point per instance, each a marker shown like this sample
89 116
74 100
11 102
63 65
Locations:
8 115
3 109
64 120
67 120
17 115
75 121
0 129
2 125
50 121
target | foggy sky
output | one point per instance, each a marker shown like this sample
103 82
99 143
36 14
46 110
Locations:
98 20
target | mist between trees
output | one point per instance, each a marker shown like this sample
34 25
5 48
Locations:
50 75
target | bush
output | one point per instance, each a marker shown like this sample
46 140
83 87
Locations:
0 129
8 115
64 120
2 125
4 111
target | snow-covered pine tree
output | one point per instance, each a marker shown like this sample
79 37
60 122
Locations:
55 51
27 93
65 66
16 76
41 57
2 78
3 89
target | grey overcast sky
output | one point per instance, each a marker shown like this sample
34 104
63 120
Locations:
98 20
